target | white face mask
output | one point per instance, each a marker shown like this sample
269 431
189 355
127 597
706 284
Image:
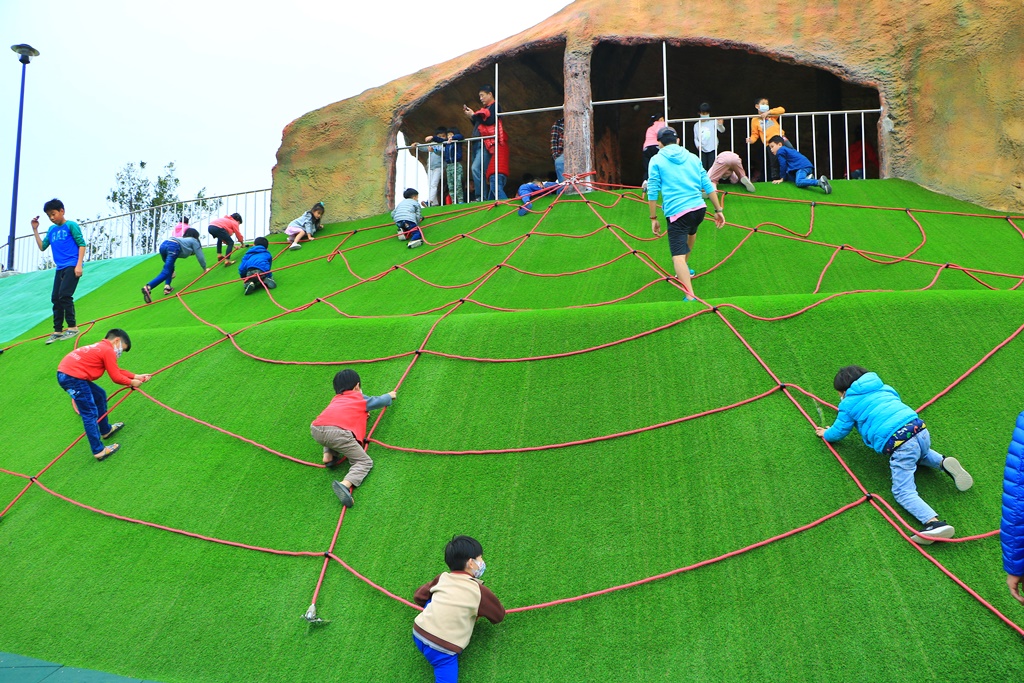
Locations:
480 568
117 351
763 108
704 116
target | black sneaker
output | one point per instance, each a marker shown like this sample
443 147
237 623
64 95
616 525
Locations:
954 469
343 494
932 530
250 287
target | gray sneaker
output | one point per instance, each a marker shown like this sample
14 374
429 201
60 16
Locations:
825 185
343 494
747 185
56 336
954 469
69 334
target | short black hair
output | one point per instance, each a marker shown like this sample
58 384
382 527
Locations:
184 219
118 333
488 88
704 107
261 242
454 130
441 131
191 232
410 193
53 205
777 139
237 217
656 116
847 376
345 380
759 100
460 550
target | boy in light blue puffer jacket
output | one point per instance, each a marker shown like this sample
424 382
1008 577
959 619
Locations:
892 428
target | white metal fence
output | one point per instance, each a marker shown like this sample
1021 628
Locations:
141 232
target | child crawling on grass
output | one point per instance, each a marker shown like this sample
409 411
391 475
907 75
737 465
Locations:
170 251
255 267
451 604
341 430
893 428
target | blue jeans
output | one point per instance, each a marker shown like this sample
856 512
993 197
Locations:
411 230
91 401
560 167
169 253
805 178
499 191
903 462
478 163
446 667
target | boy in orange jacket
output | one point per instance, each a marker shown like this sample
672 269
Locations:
75 375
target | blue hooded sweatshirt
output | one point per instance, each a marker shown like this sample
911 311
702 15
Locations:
1011 530
875 409
791 161
677 175
257 257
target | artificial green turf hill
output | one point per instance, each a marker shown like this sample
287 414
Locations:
848 599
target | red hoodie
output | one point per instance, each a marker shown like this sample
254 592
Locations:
90 361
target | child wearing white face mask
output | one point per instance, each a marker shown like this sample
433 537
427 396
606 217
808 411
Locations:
76 373
764 127
451 603
705 136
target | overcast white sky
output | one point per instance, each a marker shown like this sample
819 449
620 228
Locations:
208 85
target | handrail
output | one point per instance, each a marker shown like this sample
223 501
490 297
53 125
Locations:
177 203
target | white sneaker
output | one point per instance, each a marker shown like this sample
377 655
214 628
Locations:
401 235
295 246
414 243
747 185
961 477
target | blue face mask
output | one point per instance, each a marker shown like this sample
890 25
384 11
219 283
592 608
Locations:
117 352
479 571
763 108
704 116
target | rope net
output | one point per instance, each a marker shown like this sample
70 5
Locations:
595 197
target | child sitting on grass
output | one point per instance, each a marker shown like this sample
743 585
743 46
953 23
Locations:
305 226
452 603
170 251
75 375
795 166
528 191
408 216
341 430
255 267
893 428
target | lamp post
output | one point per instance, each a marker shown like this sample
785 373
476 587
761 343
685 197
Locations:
27 52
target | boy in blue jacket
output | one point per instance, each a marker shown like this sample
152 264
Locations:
255 267
678 176
528 192
64 239
1011 530
892 428
795 166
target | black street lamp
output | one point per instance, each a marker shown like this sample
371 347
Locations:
27 52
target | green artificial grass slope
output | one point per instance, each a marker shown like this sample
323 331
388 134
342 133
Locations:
846 600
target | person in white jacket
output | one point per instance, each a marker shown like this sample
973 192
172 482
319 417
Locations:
705 136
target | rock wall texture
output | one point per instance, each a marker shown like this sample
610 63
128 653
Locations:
949 74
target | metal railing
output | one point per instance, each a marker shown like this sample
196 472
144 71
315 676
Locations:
466 189
825 139
141 232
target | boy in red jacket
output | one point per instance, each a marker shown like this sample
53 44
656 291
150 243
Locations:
452 603
341 430
75 375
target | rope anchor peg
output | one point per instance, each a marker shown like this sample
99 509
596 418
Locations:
312 618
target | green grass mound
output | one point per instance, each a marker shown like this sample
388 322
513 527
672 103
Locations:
558 401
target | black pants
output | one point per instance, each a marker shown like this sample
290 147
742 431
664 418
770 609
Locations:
223 237
64 284
649 153
707 159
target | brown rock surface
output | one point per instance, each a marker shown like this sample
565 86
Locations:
949 75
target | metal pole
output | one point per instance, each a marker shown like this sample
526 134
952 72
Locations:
863 149
17 169
831 170
497 129
846 124
814 139
664 77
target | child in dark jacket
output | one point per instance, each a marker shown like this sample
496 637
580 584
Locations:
795 166
170 251
255 267
892 428
341 430
452 603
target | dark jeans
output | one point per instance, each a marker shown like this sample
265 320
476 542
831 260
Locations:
707 159
91 401
649 153
480 160
411 230
223 237
498 179
64 284
265 278
169 253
